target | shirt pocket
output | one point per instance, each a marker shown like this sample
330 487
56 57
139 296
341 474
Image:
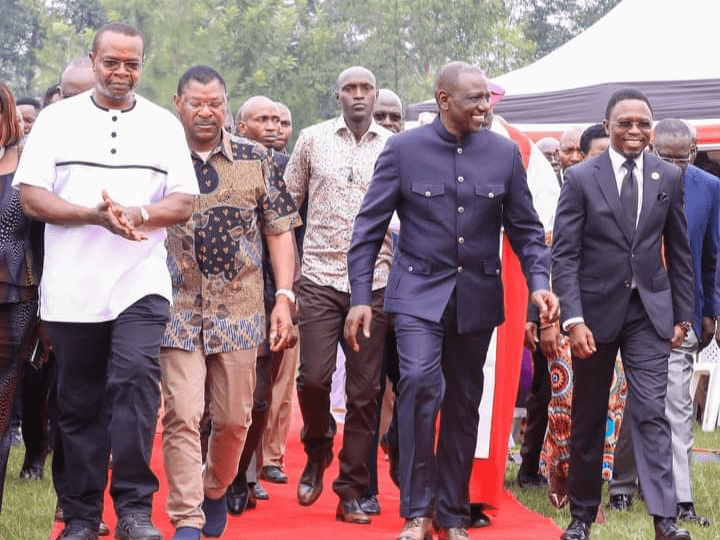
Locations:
430 198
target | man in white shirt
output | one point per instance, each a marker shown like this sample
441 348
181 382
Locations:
107 171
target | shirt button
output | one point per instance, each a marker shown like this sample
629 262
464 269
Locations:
461 179
461 209
461 240
427 193
113 151
114 118
113 134
491 195
459 150
460 269
410 268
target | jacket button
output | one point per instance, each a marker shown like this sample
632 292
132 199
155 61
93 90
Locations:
427 193
459 150
497 272
628 284
460 269
461 179
410 268
461 209
491 195
461 240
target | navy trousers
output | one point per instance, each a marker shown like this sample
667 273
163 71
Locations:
108 388
440 370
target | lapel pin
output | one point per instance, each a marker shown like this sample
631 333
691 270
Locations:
655 175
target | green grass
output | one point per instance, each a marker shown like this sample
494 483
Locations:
635 524
28 507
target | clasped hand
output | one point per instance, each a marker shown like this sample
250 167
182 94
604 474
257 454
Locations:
118 219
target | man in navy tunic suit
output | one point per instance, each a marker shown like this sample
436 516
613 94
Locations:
454 186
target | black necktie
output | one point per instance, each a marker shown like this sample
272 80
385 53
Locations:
629 193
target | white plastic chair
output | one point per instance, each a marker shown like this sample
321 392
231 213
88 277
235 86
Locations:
704 365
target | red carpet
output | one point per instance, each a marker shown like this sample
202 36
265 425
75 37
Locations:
283 518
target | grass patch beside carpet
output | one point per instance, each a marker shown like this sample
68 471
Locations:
635 524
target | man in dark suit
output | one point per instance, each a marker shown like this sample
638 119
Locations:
453 185
615 213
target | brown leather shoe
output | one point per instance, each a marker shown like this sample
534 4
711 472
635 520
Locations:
454 533
311 481
349 511
418 528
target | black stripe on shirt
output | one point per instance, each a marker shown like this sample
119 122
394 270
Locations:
105 166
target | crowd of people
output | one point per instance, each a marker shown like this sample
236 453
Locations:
229 265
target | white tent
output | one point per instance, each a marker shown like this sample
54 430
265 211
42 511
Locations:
665 48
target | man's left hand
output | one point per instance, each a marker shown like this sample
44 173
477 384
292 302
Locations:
708 331
547 304
283 334
678 338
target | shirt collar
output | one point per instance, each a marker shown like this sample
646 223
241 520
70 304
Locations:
341 125
617 160
223 147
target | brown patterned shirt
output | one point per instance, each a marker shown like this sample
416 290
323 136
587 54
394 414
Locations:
215 258
335 170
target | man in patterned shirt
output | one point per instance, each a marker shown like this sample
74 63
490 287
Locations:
332 164
217 320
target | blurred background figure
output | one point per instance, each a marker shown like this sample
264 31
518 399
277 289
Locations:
593 141
550 147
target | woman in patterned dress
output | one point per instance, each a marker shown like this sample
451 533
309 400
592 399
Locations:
20 263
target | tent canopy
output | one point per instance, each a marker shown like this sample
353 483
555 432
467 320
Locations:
663 48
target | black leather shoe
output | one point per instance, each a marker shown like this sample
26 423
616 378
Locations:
619 502
666 529
478 518
577 530
29 472
349 511
273 474
136 527
252 498
78 533
311 480
526 480
686 512
393 455
370 505
236 496
260 493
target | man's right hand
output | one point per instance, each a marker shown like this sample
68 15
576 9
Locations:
531 336
582 342
113 217
358 317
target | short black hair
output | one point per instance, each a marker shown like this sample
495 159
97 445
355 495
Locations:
623 95
29 101
118 28
596 131
50 93
201 74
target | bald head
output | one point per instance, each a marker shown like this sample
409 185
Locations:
259 120
674 142
448 75
388 110
570 152
78 77
353 73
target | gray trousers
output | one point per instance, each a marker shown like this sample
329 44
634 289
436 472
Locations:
678 409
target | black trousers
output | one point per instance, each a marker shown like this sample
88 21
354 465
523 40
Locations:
537 415
108 388
322 312
440 370
645 359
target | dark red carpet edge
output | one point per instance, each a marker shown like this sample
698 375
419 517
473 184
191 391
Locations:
282 518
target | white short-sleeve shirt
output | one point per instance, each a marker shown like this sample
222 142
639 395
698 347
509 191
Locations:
138 156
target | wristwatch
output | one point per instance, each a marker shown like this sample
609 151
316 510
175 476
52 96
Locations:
286 293
144 216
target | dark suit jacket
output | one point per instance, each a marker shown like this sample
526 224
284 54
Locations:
452 200
596 253
702 207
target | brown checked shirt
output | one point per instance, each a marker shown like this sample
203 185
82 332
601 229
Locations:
334 171
215 258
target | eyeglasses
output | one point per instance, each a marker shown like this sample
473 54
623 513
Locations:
675 161
381 115
196 105
625 125
114 65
